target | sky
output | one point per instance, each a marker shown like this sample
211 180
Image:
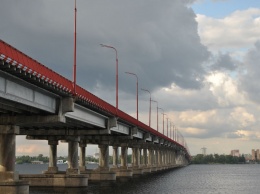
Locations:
198 58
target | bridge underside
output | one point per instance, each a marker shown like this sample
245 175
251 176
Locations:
31 106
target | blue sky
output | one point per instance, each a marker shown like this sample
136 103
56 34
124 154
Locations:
221 8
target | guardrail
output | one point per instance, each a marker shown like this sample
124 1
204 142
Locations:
20 60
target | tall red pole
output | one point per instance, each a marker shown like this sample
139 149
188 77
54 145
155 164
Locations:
116 82
157 111
75 50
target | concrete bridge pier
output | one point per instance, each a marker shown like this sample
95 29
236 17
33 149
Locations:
73 165
124 151
137 170
52 169
168 153
151 160
146 168
115 156
103 173
122 172
145 159
156 158
115 167
9 179
173 163
180 159
54 178
82 156
159 159
165 159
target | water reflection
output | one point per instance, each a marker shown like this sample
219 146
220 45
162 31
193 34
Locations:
194 179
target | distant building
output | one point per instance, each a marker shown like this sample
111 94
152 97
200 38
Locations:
255 155
235 153
96 155
204 151
37 162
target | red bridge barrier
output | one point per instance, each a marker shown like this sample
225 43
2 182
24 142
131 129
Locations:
20 60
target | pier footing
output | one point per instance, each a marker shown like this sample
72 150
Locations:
14 187
122 173
56 180
100 175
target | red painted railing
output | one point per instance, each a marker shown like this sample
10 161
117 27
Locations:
29 65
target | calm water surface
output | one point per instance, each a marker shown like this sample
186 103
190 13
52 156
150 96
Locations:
194 179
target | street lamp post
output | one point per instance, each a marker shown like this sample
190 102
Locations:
136 93
107 46
172 130
149 107
163 118
167 125
157 111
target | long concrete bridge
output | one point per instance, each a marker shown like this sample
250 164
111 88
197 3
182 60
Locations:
39 103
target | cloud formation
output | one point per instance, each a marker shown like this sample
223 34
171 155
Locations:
238 30
150 38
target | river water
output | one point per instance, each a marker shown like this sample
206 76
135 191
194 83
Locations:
193 179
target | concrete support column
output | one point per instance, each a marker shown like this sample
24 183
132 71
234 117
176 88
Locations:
52 156
164 157
115 156
174 158
136 157
156 157
82 156
124 157
7 149
159 158
167 157
145 159
140 157
103 157
133 157
170 155
73 165
150 157
9 179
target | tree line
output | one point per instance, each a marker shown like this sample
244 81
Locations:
217 159
45 159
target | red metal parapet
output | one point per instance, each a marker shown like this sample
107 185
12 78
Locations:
29 65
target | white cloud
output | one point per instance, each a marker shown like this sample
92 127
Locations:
225 89
238 30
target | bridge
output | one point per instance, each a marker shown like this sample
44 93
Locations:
41 104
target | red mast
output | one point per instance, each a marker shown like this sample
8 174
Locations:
75 52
